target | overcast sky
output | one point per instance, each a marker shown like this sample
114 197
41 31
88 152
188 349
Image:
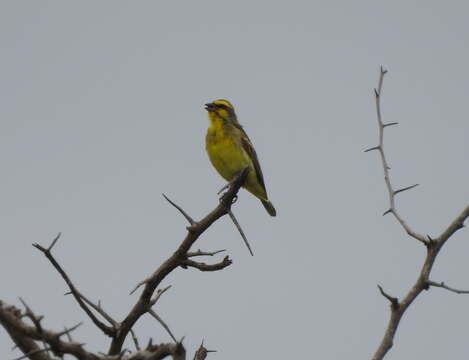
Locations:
102 111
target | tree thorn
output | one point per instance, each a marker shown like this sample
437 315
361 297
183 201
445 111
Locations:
188 218
404 189
372 148
387 212
54 241
235 221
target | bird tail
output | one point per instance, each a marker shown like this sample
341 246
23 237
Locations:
269 207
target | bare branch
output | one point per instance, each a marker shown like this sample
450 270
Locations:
204 253
110 331
433 246
387 179
178 258
209 267
23 343
444 286
99 309
456 225
23 334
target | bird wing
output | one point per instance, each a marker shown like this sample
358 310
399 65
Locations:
247 146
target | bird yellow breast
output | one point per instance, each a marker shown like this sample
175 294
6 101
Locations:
224 150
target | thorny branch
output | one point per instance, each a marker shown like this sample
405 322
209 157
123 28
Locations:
433 246
108 330
174 261
387 179
11 319
26 336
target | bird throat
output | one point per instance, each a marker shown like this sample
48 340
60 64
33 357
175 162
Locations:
217 127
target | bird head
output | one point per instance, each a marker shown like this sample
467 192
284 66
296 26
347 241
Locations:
221 109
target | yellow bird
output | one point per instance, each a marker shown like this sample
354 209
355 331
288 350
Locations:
230 150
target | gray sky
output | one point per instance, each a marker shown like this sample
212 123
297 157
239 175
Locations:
102 111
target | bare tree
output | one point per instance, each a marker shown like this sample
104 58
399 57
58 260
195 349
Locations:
431 245
37 343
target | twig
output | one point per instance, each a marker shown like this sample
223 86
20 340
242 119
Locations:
204 253
97 307
444 286
110 331
387 179
456 225
393 300
209 267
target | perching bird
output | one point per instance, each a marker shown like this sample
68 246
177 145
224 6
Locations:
230 150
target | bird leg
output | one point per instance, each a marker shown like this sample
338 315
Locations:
228 184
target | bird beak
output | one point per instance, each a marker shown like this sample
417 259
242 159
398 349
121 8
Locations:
210 107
